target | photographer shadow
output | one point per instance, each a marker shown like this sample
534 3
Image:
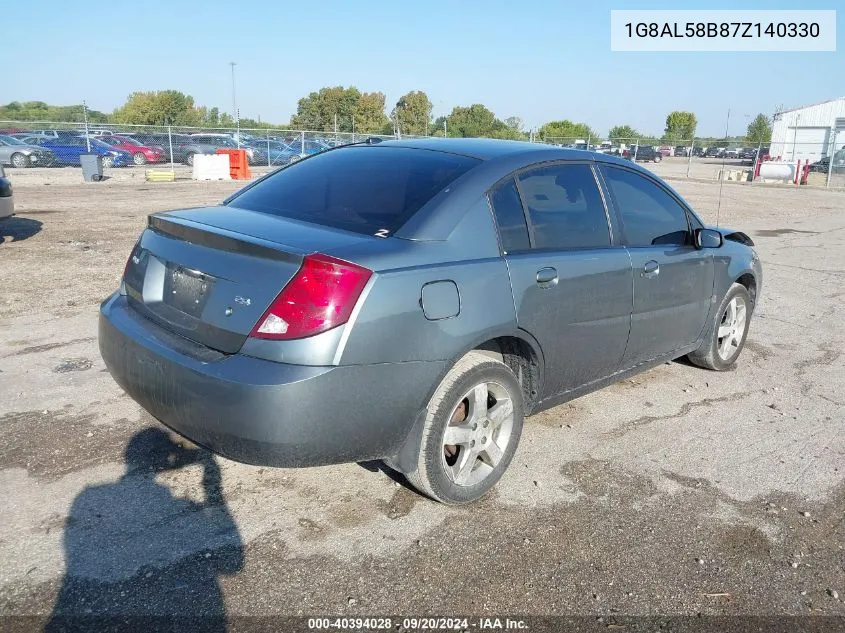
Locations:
139 557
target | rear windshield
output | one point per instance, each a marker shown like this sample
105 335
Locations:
366 189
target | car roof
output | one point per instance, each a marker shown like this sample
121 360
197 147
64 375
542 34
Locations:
481 148
490 149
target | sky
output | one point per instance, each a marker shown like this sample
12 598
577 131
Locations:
539 60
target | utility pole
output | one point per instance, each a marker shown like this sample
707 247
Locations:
234 99
88 136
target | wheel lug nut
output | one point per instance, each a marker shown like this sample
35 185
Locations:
484 440
471 443
474 426
486 423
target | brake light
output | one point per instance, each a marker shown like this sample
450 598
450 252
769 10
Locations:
319 297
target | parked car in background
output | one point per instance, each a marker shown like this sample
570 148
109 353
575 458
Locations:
644 153
279 153
714 152
67 150
344 309
748 153
824 164
7 199
666 150
141 154
185 147
53 133
308 147
681 150
16 153
699 151
255 156
732 152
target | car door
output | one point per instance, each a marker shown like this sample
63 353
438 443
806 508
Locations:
64 153
673 281
571 282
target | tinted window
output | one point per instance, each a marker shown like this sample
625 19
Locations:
565 207
366 189
510 218
649 213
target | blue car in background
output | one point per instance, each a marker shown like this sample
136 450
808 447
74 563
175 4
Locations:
279 153
68 149
309 147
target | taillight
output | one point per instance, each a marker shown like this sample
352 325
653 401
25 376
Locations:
320 296
129 259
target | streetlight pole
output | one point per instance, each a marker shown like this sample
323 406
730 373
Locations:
234 99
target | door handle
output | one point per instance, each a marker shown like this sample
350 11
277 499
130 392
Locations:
547 277
651 269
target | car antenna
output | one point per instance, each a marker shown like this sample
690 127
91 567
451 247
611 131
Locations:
722 172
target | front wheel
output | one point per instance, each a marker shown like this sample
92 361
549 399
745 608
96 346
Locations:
727 332
139 159
108 162
19 160
658 158
190 160
473 426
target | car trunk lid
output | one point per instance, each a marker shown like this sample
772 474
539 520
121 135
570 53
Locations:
209 274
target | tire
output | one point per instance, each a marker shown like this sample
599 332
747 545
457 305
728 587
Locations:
19 160
108 162
139 159
462 472
720 353
658 158
189 159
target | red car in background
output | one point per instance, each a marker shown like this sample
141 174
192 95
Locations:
141 154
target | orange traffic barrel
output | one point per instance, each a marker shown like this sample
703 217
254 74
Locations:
238 163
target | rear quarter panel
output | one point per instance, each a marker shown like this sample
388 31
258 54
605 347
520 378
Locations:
391 325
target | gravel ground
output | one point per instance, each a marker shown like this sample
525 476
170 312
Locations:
678 492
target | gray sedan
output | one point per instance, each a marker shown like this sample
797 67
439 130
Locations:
16 153
413 301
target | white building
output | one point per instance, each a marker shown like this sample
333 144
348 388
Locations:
809 133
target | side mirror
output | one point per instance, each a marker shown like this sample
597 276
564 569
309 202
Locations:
708 238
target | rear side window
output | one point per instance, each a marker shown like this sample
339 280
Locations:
510 217
565 207
650 215
366 189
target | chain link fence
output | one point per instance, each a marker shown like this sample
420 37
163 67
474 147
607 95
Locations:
60 144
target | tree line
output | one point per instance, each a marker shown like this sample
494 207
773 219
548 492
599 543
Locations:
347 109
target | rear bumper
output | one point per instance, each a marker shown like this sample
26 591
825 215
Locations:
261 412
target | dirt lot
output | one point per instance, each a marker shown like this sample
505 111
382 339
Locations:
678 492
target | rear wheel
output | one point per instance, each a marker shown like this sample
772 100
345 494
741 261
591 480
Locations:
727 331
190 160
473 426
139 159
657 158
19 160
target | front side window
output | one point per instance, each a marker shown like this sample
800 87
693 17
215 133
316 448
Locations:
565 207
649 214
366 189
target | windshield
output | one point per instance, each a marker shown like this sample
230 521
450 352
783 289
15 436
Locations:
366 189
9 140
